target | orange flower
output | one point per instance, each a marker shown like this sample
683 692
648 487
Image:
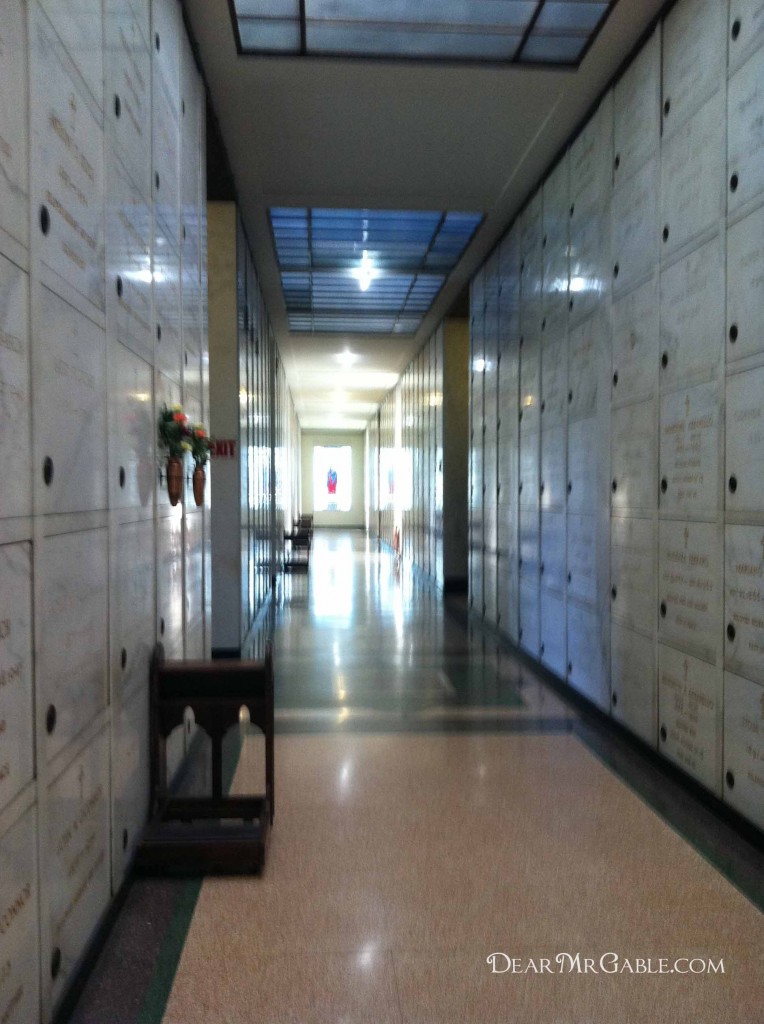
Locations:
179 417
199 432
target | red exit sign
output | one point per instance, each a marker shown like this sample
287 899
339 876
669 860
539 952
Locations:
223 449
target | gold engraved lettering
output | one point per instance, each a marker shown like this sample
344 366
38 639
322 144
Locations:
80 892
12 343
88 239
12 911
10 675
5 629
85 811
15 1000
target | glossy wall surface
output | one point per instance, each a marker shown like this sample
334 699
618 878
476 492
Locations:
616 500
102 318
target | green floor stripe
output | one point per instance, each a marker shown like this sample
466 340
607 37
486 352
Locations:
163 976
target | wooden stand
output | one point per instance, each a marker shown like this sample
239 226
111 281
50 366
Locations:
221 833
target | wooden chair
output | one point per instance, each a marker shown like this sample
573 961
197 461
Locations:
197 834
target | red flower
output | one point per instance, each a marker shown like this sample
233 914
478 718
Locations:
179 417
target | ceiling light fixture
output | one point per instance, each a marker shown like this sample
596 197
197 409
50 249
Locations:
365 273
347 358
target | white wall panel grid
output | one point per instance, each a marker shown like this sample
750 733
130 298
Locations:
634 458
552 646
69 368
636 354
745 446
746 31
633 571
129 780
694 58
15 403
14 131
636 111
130 318
71 575
690 715
692 317
693 186
16 671
745 136
744 747
19 934
127 107
634 682
745 289
589 653
744 601
690 587
76 859
67 174
690 456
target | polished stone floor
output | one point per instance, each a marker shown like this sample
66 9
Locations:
439 802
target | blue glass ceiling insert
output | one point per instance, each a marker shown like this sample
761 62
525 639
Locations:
556 32
365 271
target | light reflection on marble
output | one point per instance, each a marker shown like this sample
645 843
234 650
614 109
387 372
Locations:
14 128
17 732
635 343
15 426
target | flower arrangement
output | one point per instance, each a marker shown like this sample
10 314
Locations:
177 437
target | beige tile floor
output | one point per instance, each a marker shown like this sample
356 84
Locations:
400 860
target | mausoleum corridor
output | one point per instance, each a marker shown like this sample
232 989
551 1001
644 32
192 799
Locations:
439 802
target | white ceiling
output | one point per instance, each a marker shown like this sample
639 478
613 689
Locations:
388 135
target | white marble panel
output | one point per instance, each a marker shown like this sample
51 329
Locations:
77 839
553 545
690 715
636 110
745 287
128 94
529 532
132 607
192 387
745 134
589 654
634 466
168 31
582 557
694 57
744 747
489 589
746 30
528 487
635 343
744 601
14 117
689 451
635 247
506 530
166 165
15 436
633 551
70 408
67 166
72 671
530 385
508 467
170 583
693 187
591 266
80 29
529 631
745 442
692 317
530 227
169 345
587 348
130 779
554 298
552 647
556 205
634 682
19 914
690 587
191 103
132 430
16 723
591 160
554 383
191 309
128 263
554 480
582 466
531 278
508 598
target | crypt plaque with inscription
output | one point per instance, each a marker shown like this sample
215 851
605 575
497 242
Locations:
633 555
635 226
634 681
744 746
588 656
636 355
634 483
689 451
693 57
14 118
690 587
745 443
745 134
19 922
552 646
15 435
16 722
636 110
744 601
690 715
745 287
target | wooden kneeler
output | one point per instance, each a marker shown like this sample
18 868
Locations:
219 833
